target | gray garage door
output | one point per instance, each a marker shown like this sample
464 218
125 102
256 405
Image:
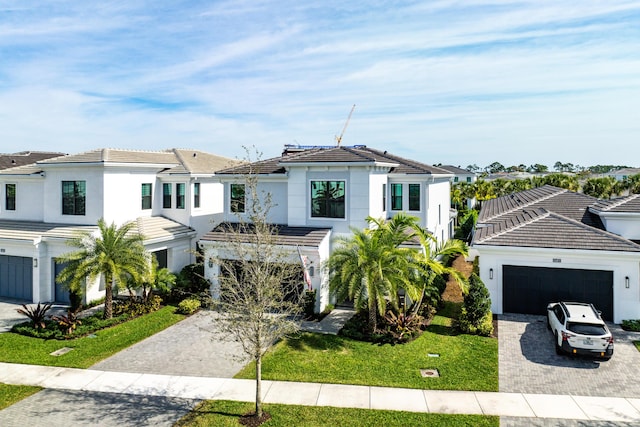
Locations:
530 289
16 277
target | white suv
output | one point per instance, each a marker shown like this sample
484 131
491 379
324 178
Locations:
578 328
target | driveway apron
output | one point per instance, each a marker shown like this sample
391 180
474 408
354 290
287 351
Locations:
528 362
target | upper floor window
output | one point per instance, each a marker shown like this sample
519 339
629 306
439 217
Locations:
146 196
237 199
455 179
196 195
468 179
396 197
414 197
384 197
180 193
10 197
166 196
328 199
74 195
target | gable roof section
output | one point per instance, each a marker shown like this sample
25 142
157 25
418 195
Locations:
456 170
628 204
337 155
539 228
286 235
25 158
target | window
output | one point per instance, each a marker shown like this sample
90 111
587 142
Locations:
74 194
327 199
180 188
146 196
384 197
10 197
455 179
166 196
439 214
237 199
396 197
196 195
468 179
414 197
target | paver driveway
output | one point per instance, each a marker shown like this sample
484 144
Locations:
528 362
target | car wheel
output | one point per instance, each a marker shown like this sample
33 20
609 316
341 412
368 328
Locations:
558 348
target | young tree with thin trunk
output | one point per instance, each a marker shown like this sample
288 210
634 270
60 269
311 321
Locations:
260 282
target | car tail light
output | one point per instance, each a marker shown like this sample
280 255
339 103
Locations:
566 336
610 340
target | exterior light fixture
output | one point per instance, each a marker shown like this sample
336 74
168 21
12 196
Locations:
491 273
626 282
210 262
311 271
35 264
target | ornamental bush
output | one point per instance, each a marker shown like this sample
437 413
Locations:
476 317
188 306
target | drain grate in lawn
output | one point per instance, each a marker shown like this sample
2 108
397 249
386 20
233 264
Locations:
429 373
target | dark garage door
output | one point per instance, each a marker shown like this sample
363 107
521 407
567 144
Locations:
16 277
530 289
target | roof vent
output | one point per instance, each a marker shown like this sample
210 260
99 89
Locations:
195 154
13 161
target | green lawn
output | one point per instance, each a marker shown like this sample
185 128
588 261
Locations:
226 413
87 351
637 344
10 394
465 362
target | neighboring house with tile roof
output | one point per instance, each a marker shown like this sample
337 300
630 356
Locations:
548 244
623 174
460 174
12 160
171 195
320 193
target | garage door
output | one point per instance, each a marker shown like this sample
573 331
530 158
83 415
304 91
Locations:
16 277
530 289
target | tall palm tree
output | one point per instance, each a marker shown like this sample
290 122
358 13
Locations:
430 263
369 266
117 253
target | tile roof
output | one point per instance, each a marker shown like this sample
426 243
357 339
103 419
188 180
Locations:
337 155
25 158
546 217
457 170
176 161
151 228
628 204
285 235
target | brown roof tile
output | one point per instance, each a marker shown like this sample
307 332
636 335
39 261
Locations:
285 235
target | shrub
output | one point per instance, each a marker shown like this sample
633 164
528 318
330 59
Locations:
136 306
475 316
53 330
631 325
68 322
309 304
188 306
36 314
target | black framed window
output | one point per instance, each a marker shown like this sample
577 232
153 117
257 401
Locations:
166 196
10 197
384 197
74 196
328 199
396 197
414 197
180 193
146 196
237 198
196 194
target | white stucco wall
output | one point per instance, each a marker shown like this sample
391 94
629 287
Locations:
622 224
53 194
438 205
29 198
376 181
626 301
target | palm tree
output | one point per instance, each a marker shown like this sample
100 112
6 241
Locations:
117 253
430 262
369 267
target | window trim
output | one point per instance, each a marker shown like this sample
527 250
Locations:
7 198
384 197
413 198
167 198
146 199
396 197
328 201
76 198
196 195
236 205
180 198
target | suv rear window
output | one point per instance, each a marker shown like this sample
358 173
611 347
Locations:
586 328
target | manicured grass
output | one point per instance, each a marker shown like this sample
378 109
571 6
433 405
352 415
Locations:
637 344
87 351
10 394
465 362
226 413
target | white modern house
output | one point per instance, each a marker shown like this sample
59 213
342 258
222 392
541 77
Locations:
319 193
551 244
171 196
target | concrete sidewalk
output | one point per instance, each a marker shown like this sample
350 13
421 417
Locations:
612 409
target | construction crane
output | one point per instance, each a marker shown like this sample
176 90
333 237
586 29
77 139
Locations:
339 138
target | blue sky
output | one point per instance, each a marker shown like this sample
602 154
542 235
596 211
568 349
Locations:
455 82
